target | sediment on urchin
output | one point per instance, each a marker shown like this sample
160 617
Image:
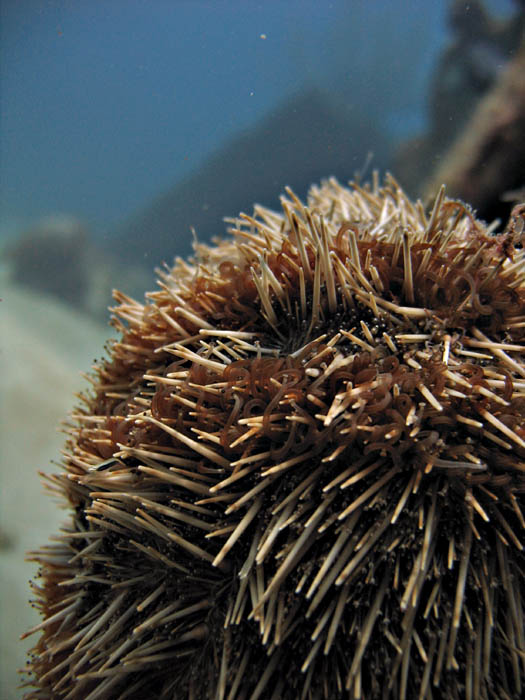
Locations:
300 471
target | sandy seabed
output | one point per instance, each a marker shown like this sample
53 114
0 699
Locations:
44 347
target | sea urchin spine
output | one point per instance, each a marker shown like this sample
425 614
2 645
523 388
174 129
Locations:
300 471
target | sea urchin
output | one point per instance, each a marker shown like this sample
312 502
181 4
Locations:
300 471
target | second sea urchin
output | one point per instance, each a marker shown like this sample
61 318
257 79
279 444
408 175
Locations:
300 472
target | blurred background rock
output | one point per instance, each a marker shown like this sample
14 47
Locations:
476 114
59 257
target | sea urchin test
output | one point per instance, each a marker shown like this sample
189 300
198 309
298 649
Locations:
299 473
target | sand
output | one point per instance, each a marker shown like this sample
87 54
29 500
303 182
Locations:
44 346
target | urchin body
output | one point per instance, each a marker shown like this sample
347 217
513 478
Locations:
300 471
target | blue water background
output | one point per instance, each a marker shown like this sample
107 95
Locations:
108 103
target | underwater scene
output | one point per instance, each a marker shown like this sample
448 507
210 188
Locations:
262 290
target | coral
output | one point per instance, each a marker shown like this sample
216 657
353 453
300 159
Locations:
300 470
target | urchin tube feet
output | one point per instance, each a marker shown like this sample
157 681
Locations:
306 451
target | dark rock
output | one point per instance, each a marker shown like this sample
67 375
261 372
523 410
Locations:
302 141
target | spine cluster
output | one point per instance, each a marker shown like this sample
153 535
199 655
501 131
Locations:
300 470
